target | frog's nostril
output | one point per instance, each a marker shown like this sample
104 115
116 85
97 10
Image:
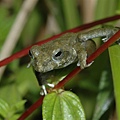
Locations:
30 54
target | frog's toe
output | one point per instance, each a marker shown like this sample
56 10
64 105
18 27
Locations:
82 64
50 85
78 64
89 64
105 39
29 64
43 90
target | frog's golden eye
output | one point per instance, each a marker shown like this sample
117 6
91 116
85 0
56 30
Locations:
57 54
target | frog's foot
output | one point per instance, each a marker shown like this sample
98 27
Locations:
50 85
82 56
89 64
29 64
43 90
107 38
84 65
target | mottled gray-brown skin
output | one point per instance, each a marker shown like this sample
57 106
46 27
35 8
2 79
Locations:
60 53
67 49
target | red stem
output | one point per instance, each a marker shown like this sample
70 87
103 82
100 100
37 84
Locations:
80 28
31 109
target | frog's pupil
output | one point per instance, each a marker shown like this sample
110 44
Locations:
58 54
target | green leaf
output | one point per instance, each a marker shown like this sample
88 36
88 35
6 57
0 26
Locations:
105 95
4 108
14 117
118 7
18 106
13 103
26 81
8 112
101 11
62 105
5 27
10 93
114 52
71 13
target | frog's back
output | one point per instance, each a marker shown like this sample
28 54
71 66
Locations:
66 39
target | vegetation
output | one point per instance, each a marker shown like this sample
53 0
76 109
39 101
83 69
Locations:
97 87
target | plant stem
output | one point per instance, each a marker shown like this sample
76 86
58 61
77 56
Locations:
31 109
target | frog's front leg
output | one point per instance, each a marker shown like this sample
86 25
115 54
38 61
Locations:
84 50
82 60
82 57
42 80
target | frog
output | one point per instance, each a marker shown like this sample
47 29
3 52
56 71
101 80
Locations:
64 51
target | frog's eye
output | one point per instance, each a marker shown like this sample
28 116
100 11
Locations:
57 54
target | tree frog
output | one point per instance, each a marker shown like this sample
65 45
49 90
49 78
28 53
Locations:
65 50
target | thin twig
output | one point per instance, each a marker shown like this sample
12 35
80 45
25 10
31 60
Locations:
16 30
88 9
32 108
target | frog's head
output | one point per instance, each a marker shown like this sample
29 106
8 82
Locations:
47 57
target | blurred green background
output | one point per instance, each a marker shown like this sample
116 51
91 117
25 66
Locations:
18 86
